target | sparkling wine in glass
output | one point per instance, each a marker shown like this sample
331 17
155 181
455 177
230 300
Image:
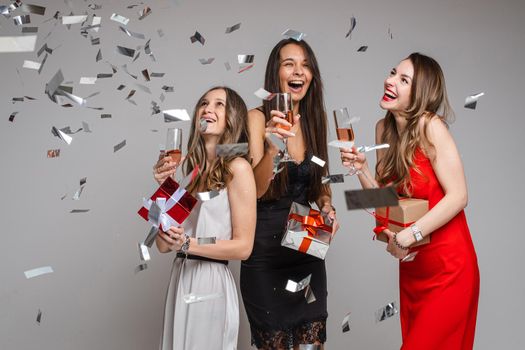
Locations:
283 103
174 144
345 132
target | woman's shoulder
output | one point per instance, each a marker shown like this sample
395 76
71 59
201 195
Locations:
256 113
240 164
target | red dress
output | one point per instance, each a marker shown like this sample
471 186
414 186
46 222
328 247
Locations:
439 289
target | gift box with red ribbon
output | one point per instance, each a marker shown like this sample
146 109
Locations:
308 231
398 218
169 206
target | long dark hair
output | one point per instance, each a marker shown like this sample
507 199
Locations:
313 120
219 172
428 97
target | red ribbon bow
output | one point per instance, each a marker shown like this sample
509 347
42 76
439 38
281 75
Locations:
310 223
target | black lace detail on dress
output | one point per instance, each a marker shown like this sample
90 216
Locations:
305 333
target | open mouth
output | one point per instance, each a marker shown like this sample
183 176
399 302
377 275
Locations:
296 85
208 119
389 96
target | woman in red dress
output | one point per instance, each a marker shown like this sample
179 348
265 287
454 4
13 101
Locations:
439 289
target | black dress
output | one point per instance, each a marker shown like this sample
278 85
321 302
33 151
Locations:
279 318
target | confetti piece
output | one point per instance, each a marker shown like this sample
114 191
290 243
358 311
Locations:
243 69
38 271
88 80
197 37
120 19
68 20
85 127
22 19
333 179
345 325
31 65
227 66
144 252
245 59
119 146
53 153
231 149
353 22
472 100
77 194
310 347
61 135
125 51
12 116
175 115
233 28
410 257
34 9
78 211
168 88
318 161
132 34
295 287
29 29
386 312
371 198
105 116
24 43
99 56
39 317
362 49
141 267
264 95
144 12
293 34
204 61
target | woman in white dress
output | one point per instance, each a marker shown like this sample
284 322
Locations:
202 309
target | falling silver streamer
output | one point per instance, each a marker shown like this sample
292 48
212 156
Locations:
293 34
362 48
386 312
233 28
353 22
345 325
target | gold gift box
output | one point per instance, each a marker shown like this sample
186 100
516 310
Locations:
405 214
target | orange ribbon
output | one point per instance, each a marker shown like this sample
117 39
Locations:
310 223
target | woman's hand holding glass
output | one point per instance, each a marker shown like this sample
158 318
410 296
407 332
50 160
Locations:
353 160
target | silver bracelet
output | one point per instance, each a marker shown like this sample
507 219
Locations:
397 243
185 246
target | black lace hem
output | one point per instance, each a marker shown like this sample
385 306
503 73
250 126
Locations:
306 333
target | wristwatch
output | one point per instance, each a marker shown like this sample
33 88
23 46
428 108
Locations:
416 232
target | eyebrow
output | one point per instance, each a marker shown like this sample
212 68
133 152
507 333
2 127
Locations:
406 76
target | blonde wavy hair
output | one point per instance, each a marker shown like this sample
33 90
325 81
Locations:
218 171
428 99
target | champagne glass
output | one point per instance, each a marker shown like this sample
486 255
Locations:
283 103
174 145
345 132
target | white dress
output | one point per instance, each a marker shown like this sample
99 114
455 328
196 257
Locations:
212 324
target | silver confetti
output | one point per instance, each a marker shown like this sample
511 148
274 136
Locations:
105 116
192 298
410 257
160 32
472 100
293 34
12 116
245 59
37 10
132 34
39 317
68 20
310 347
353 22
372 147
22 19
371 198
78 211
120 19
145 74
144 252
264 95
125 51
295 287
362 48
77 194
29 29
141 267
95 41
204 61
206 240
168 88
386 312
197 37
309 295
38 271
61 135
88 80
85 127
345 325
231 150
203 125
318 161
42 64
99 56
206 196
150 238
227 66
31 65
24 43
119 146
175 115
233 28
333 179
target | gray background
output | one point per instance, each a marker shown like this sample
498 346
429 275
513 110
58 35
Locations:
95 300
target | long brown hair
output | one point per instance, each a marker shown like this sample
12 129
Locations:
218 172
313 120
428 97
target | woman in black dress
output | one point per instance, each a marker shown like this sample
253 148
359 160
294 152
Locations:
280 319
